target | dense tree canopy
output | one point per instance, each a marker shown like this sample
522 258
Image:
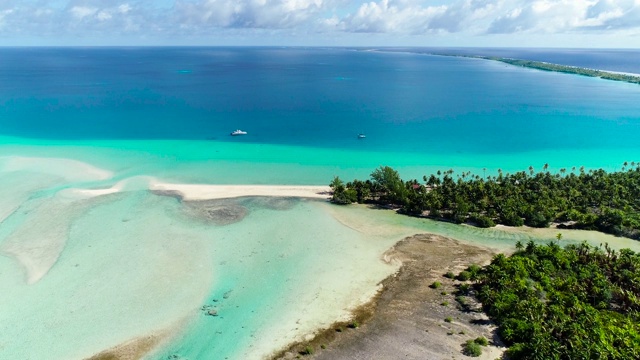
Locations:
579 302
594 200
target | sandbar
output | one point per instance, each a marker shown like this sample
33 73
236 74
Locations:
208 192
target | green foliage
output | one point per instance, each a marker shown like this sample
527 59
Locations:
474 270
450 275
566 69
471 348
444 303
308 350
482 221
482 341
578 302
353 325
464 289
341 194
388 186
464 276
448 319
593 200
436 285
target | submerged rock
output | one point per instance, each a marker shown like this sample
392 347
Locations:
272 203
219 212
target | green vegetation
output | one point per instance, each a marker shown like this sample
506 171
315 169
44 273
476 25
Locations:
450 275
353 325
566 69
482 341
444 303
436 285
545 66
448 319
580 302
471 348
464 276
578 199
307 351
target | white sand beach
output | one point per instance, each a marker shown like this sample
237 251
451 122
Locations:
207 192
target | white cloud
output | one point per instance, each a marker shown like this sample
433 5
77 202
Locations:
80 12
391 16
104 15
177 19
245 13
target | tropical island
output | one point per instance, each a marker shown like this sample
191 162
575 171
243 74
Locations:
575 199
546 301
545 66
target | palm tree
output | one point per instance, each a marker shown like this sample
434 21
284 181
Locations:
545 167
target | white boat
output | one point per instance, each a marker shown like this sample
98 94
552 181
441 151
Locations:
238 132
361 136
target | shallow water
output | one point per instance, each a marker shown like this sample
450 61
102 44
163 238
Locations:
83 273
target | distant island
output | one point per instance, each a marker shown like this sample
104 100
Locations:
574 199
541 65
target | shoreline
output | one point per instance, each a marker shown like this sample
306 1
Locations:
559 68
406 315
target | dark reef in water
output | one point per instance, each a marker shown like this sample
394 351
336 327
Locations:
227 211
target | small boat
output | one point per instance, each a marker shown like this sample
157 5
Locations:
238 132
361 136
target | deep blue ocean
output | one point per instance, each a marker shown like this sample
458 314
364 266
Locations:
320 98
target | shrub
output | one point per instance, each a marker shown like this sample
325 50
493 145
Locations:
483 221
482 341
464 276
435 285
353 325
444 303
448 319
307 351
323 346
450 275
511 219
474 270
537 220
464 289
444 293
470 348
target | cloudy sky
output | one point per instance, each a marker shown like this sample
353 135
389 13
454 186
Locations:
537 23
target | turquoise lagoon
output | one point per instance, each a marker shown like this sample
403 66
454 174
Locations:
84 274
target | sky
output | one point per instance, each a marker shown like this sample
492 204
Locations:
455 23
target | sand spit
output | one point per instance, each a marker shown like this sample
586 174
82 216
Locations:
406 319
196 192
208 192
